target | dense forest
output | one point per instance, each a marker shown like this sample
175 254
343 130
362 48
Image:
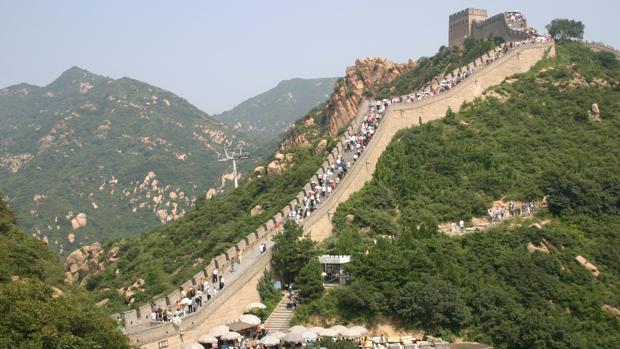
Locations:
532 136
38 311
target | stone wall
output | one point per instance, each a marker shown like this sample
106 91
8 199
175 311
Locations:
496 27
519 60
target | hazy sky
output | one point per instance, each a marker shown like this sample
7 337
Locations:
218 53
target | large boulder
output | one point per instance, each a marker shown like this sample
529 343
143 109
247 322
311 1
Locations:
594 113
256 210
274 169
85 261
320 148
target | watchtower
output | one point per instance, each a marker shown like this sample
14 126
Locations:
460 24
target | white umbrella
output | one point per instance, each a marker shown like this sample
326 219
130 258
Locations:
207 339
186 301
277 334
269 341
309 335
250 319
255 305
316 329
297 329
293 337
176 320
192 346
351 332
328 332
218 331
339 328
360 329
230 336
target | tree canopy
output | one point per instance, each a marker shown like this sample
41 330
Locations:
565 29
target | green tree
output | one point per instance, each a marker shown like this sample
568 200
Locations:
565 29
433 303
291 253
309 281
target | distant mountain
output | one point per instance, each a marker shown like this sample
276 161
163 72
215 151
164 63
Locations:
269 114
90 158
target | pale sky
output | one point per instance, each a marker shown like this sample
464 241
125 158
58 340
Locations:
218 53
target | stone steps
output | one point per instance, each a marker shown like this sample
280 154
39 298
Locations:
280 318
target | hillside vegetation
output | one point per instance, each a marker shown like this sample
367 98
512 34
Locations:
34 313
267 116
124 154
442 63
532 136
171 254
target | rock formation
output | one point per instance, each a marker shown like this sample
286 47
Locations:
87 260
366 78
594 113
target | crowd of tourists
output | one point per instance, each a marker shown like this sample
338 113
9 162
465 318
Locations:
357 142
512 210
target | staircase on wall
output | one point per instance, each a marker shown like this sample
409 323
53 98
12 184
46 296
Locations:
280 318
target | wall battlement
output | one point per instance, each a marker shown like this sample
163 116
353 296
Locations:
474 23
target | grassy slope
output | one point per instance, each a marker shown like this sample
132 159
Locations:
487 286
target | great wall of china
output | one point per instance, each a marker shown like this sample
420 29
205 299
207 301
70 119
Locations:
146 333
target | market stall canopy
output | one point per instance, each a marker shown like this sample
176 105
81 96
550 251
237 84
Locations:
309 335
297 329
293 337
360 329
255 305
239 326
277 334
339 328
316 329
207 339
351 333
328 332
218 331
250 319
269 341
230 336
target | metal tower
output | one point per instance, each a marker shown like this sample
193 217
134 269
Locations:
233 154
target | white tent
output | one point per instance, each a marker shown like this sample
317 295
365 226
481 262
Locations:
218 331
230 336
351 332
255 305
339 328
293 337
269 341
297 329
277 334
316 329
250 319
328 332
309 335
360 329
207 339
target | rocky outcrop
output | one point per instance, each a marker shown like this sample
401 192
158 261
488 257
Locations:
588 265
129 292
88 260
280 163
366 78
256 210
594 113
